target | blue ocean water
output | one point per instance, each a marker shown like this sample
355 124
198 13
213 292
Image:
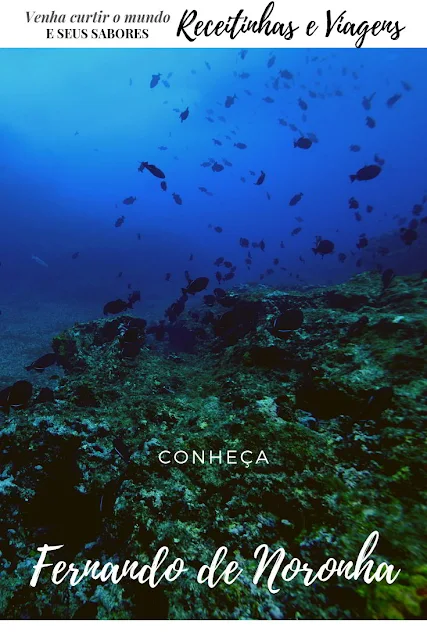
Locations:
75 125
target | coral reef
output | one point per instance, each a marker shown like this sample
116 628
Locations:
338 405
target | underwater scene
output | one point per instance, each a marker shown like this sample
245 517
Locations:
213 312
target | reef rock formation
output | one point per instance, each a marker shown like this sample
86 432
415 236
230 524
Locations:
329 382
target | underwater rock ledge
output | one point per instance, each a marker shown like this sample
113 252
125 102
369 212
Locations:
329 381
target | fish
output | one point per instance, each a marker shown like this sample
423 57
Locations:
408 236
406 85
129 200
370 122
240 145
229 101
268 100
196 286
368 172
363 242
218 143
284 73
323 247
244 242
342 257
43 362
162 148
228 264
379 160
39 261
177 198
155 80
118 223
75 255
243 53
303 143
366 102
260 179
392 101
358 216
296 231
116 306
353 204
271 61
295 199
166 84
218 229
369 208
302 104
217 167
219 293
16 396
218 262
184 115
134 297
228 276
155 171
168 277
218 277
355 147
163 185
227 162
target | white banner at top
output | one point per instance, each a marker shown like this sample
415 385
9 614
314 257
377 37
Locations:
221 24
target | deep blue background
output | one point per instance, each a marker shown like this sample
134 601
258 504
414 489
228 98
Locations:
59 191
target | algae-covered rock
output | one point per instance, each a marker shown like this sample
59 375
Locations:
335 400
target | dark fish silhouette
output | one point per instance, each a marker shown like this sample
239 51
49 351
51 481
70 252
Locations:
43 363
323 247
295 199
229 101
155 171
368 172
155 80
366 102
184 115
196 286
260 179
392 101
303 143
